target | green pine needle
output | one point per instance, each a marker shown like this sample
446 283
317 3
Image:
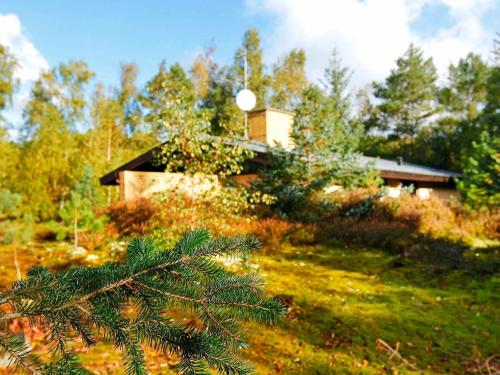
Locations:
91 303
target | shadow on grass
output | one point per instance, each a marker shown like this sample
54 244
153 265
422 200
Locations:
342 300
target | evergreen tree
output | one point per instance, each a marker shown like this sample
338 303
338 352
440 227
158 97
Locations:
450 138
79 209
408 95
344 131
325 140
465 94
288 80
480 185
89 302
490 116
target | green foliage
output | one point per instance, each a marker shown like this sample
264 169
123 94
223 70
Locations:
79 209
9 202
90 302
408 95
480 185
50 148
8 83
325 140
258 80
172 112
288 80
452 116
465 92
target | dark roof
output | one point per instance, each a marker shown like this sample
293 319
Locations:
387 168
146 162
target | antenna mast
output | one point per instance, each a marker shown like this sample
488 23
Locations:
245 82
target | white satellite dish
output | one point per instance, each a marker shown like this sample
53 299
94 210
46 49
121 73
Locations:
246 100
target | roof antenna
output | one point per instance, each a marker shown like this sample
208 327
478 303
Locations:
245 99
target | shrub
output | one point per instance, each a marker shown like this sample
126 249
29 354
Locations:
132 217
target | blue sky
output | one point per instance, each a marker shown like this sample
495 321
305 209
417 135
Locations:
370 34
105 33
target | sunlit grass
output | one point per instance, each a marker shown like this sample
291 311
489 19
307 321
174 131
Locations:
340 302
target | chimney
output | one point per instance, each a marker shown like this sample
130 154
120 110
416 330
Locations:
400 160
271 126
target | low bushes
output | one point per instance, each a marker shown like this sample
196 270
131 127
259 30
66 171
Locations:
426 229
132 218
431 230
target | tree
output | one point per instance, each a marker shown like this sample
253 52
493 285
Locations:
108 133
171 108
8 82
408 95
325 140
78 210
288 80
225 117
127 96
52 116
201 72
168 102
89 301
344 131
8 150
480 185
258 80
465 94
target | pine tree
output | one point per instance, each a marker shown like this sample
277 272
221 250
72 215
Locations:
408 95
480 185
325 140
79 209
93 302
465 92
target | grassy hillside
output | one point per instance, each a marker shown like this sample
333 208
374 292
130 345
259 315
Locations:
342 302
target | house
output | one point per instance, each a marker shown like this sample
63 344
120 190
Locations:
142 176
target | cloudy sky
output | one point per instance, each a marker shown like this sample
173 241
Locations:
370 34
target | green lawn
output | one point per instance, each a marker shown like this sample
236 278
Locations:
343 300
340 302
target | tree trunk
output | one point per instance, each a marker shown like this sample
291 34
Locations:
75 229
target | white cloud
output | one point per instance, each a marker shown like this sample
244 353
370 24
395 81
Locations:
30 61
371 34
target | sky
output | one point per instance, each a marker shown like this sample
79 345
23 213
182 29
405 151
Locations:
369 34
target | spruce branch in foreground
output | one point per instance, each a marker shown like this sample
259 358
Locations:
92 302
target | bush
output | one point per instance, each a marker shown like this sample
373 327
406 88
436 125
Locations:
431 230
132 217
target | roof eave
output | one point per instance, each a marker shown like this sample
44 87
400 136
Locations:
415 176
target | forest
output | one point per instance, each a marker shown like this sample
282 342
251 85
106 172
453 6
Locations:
356 282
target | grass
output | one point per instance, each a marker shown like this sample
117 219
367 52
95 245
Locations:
341 302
